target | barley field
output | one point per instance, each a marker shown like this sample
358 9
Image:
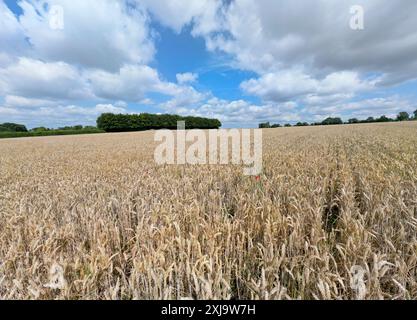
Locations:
93 217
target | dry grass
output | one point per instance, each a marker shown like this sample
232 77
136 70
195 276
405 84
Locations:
120 227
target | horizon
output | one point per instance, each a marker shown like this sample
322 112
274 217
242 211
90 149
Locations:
369 120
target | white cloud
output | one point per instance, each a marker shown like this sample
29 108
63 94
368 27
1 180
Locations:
185 98
12 39
98 34
183 78
147 101
131 83
374 107
63 82
22 102
267 36
36 79
58 115
176 14
5 111
231 112
294 84
108 108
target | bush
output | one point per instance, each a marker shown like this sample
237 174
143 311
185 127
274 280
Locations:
39 129
383 119
403 116
110 122
353 121
332 121
49 132
265 125
12 127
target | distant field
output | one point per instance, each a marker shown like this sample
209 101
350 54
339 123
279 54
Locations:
121 227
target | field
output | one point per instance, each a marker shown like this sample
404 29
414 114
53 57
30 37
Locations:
93 217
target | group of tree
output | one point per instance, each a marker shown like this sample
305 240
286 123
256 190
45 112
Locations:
13 130
66 128
12 127
402 116
110 122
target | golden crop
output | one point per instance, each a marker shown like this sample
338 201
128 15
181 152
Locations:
93 217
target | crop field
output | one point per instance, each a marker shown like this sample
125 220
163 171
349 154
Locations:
94 217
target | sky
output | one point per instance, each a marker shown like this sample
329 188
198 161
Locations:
64 62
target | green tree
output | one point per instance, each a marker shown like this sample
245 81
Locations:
403 116
265 125
383 119
39 129
332 121
13 127
353 120
145 121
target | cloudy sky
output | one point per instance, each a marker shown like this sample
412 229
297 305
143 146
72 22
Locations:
242 61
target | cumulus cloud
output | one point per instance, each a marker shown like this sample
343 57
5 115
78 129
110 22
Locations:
188 77
96 33
231 112
12 39
267 36
373 107
185 98
131 82
60 115
36 79
63 82
176 14
294 84
23 102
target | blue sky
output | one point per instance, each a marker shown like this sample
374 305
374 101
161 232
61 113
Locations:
242 61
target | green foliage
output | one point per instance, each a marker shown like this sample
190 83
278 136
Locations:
383 119
78 127
110 122
39 129
403 116
332 121
48 132
12 127
265 125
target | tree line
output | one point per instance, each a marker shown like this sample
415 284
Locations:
12 127
402 116
14 130
110 122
